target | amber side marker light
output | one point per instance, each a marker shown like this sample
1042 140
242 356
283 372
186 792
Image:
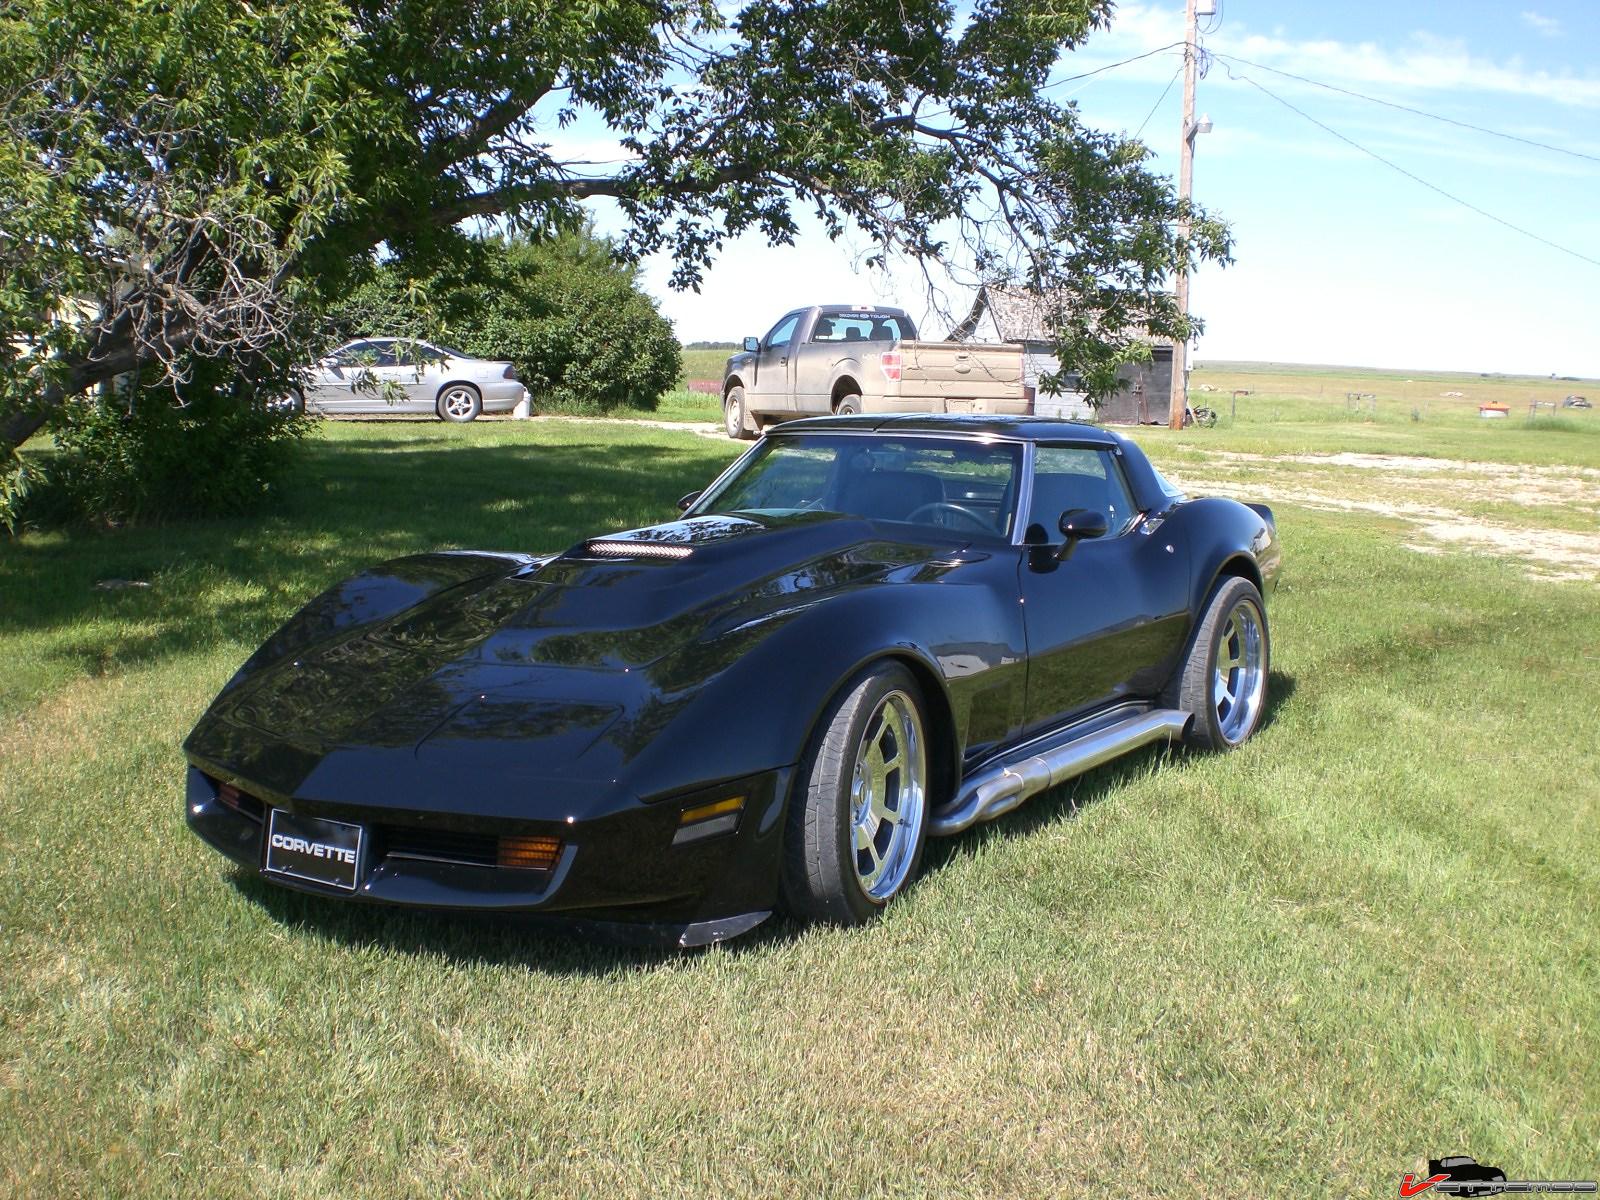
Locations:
529 853
708 820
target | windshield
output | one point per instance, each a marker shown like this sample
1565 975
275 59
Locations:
960 485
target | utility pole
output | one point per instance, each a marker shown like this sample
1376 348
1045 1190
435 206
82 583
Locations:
1180 348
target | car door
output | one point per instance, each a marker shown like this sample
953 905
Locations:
1106 621
771 389
332 385
418 376
389 376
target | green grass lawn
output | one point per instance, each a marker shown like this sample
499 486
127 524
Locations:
1367 937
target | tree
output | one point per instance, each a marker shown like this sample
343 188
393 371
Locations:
203 174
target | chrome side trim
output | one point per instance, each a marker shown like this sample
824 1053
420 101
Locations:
1002 785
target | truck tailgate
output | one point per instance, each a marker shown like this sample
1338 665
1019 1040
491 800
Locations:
958 372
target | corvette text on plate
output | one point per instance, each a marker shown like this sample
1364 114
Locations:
301 845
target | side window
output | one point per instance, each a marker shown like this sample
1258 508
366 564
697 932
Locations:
352 355
1076 477
384 354
783 332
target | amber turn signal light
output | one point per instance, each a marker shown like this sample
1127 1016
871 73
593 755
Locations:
704 812
708 820
529 853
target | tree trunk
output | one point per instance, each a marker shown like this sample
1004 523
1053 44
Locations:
111 355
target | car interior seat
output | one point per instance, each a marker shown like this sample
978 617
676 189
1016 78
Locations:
888 495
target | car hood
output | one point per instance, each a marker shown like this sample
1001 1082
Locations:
548 656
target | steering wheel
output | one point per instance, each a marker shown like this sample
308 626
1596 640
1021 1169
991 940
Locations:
983 524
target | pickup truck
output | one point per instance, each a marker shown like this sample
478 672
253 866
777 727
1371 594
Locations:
840 358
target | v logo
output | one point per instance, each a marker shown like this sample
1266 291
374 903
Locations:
1410 1187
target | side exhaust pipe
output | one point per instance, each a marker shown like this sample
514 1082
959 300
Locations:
1042 764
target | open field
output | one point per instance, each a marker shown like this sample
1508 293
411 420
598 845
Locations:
1367 937
705 364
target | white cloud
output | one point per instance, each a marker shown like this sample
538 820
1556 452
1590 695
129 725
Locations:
1425 62
1541 24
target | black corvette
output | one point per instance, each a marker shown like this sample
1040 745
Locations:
866 631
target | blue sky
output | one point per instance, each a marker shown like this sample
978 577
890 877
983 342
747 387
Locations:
1339 258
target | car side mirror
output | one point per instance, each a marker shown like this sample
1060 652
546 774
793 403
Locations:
686 500
752 345
1077 524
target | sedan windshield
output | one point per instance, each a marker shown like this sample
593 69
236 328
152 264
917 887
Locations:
959 485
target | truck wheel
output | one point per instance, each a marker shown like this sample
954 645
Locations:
848 406
734 417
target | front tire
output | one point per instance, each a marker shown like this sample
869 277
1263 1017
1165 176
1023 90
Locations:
1223 681
292 404
459 403
858 823
735 417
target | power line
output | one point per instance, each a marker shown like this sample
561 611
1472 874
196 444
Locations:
1157 104
1343 91
1110 66
1411 175
1054 83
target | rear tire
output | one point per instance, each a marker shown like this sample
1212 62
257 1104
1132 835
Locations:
1223 681
459 403
848 406
735 419
859 819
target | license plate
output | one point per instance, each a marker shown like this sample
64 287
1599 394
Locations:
313 849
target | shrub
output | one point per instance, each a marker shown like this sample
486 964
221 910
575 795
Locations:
214 447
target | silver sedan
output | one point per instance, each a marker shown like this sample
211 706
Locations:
394 375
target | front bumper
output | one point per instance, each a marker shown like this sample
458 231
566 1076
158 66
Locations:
630 874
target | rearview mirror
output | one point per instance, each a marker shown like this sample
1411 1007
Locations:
1077 524
752 345
686 500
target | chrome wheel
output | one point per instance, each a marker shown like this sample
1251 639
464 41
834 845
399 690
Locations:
459 403
1239 681
888 795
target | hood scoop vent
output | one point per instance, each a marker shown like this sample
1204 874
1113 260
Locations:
620 548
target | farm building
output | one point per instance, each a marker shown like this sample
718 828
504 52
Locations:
1002 314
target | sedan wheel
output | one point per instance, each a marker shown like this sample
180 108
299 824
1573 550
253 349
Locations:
858 822
1224 678
459 402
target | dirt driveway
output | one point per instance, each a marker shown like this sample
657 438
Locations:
1546 518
